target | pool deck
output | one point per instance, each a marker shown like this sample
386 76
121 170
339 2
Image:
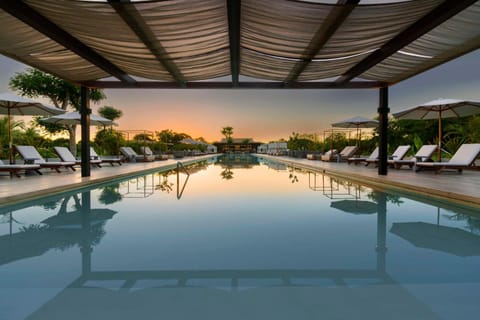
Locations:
463 188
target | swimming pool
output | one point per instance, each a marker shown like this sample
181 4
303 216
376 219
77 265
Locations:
239 238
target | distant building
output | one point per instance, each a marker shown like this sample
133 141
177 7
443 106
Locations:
239 145
277 148
263 148
209 148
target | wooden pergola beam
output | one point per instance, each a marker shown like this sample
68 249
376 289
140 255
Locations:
230 85
233 11
325 31
34 19
127 11
434 18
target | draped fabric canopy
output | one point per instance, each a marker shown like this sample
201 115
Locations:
179 42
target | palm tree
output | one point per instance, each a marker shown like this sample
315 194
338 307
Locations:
227 132
4 133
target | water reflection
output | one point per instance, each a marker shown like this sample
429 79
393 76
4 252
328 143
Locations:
138 187
233 293
331 289
60 231
355 206
227 174
110 194
237 161
164 185
441 238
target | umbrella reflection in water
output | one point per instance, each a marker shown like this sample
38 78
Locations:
355 206
440 238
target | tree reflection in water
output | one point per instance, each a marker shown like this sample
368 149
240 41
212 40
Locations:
227 174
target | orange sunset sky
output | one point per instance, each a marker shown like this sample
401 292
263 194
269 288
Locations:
267 115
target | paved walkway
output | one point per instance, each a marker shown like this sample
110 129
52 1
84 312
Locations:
463 187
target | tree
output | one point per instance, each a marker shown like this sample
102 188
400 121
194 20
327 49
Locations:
34 83
110 113
168 136
227 132
4 133
143 137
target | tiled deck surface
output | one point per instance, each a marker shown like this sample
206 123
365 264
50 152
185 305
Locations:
464 187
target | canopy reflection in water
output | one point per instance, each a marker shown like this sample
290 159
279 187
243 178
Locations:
440 238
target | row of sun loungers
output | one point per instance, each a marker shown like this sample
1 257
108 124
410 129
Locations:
34 161
464 158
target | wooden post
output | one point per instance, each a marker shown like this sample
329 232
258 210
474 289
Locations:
383 111
85 112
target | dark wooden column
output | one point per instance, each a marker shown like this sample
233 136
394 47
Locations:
85 112
383 111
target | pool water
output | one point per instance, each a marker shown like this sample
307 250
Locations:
240 237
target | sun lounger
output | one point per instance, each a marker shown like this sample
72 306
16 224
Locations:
149 153
346 153
398 154
66 155
15 169
31 156
132 156
329 155
464 158
423 154
357 160
314 156
104 159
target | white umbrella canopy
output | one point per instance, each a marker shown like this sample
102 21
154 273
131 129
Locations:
72 118
439 109
11 104
358 123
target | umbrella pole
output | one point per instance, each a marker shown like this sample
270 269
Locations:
358 136
439 136
10 151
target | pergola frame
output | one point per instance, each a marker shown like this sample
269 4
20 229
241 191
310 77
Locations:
326 30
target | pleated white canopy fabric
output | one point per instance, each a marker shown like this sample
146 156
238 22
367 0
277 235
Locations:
276 36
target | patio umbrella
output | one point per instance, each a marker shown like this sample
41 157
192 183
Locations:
440 238
358 123
73 118
11 104
355 206
439 109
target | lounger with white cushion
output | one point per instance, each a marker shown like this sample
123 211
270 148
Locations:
131 155
329 155
66 155
15 169
423 154
106 159
464 158
346 153
357 160
149 153
30 155
398 154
